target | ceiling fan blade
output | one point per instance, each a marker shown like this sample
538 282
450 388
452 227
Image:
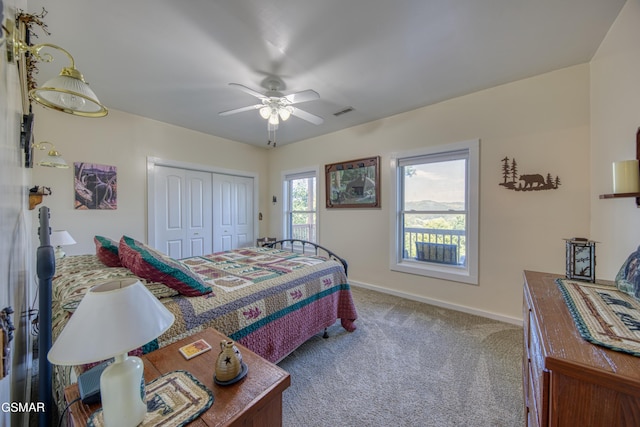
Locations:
303 96
312 118
248 90
240 110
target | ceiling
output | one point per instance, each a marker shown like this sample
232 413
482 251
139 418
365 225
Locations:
173 61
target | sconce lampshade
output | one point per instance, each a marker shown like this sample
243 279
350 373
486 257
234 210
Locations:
68 92
53 160
112 319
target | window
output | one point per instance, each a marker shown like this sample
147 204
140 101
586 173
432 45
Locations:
300 206
435 220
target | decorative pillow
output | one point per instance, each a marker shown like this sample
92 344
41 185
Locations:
628 278
150 264
107 251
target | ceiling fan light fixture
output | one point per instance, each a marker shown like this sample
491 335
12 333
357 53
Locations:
274 107
285 113
265 112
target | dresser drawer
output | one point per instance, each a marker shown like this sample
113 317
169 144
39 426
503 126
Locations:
533 412
538 375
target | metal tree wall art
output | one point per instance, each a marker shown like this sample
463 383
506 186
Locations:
526 182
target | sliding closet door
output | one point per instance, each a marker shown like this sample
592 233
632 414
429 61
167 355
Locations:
183 203
232 212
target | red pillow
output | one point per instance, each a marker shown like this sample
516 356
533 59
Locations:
107 251
150 264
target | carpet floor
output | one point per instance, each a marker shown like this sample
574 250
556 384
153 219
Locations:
407 364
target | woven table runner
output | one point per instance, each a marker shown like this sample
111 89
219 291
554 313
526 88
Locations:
173 399
604 315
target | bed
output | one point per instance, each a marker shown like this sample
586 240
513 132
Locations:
270 299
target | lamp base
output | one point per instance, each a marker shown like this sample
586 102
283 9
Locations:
59 253
123 394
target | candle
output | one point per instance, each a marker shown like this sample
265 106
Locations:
626 177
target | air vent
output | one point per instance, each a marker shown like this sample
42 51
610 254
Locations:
344 111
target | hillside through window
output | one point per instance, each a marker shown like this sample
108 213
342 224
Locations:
436 213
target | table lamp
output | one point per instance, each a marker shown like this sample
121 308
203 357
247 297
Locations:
61 238
112 319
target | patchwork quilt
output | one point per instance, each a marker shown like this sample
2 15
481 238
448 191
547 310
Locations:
256 291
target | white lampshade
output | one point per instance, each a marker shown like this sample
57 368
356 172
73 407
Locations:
273 119
53 160
112 318
285 113
61 238
265 112
69 93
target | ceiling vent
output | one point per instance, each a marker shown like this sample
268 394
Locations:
344 111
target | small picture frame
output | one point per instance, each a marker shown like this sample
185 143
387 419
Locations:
353 184
194 349
581 259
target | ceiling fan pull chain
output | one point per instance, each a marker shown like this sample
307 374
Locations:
271 134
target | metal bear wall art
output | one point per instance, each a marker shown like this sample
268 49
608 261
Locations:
512 180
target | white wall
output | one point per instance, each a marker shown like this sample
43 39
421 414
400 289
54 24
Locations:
615 118
542 121
125 140
16 270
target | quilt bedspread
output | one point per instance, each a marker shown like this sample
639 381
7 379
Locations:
259 289
270 300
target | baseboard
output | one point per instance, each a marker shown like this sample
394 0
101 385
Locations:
438 303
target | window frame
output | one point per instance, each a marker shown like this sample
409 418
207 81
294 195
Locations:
465 274
287 176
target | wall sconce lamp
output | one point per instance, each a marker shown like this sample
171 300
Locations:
53 159
68 92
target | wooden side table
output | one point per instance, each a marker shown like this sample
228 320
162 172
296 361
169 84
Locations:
255 400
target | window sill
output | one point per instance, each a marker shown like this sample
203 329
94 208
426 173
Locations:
439 271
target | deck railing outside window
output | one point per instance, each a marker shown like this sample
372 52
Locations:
304 232
435 245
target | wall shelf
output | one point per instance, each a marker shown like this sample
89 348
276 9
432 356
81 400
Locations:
619 195
622 195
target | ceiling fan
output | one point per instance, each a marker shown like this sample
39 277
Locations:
274 106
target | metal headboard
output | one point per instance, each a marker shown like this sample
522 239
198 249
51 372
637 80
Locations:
293 244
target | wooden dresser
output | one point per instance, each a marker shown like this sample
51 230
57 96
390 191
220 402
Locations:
567 380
